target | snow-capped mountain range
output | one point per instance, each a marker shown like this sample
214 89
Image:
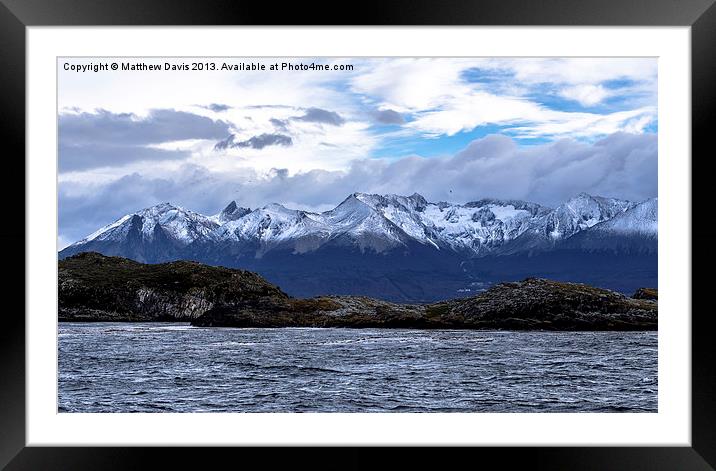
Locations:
401 248
375 223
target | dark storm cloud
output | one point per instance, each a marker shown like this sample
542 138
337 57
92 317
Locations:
388 117
318 115
103 138
128 129
620 166
83 157
255 142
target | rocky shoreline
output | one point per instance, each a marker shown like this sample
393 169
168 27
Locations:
96 288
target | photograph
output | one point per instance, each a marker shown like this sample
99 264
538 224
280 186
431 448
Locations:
357 234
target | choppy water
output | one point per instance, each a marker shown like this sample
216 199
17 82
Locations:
107 367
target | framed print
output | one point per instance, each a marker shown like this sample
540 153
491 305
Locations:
407 228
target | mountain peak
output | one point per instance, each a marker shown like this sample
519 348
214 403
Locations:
166 206
351 203
363 197
581 196
159 210
419 201
374 200
278 207
232 212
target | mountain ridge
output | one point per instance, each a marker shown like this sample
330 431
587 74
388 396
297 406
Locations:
401 248
379 222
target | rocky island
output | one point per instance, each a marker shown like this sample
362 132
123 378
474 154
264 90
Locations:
94 287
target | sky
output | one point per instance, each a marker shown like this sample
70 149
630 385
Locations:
451 129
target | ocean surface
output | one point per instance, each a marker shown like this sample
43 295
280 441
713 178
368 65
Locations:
170 367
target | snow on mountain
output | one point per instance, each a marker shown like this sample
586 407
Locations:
178 224
406 213
378 223
480 226
157 234
356 222
634 231
581 212
472 227
113 231
641 220
352 223
271 226
553 227
231 212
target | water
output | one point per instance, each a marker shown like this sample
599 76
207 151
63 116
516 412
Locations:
108 367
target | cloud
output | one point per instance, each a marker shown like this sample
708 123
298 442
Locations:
409 84
586 94
225 143
280 124
255 142
621 165
217 107
314 142
575 71
525 97
587 125
318 115
106 139
388 117
448 96
127 128
525 119
83 157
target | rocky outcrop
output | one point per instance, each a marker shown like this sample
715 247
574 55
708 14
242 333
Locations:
537 303
93 287
533 304
646 293
328 311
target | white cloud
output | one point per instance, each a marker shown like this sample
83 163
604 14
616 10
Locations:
586 125
528 120
432 94
585 94
442 101
139 91
412 84
575 70
314 145
474 108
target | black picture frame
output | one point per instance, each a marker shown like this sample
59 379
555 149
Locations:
16 15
